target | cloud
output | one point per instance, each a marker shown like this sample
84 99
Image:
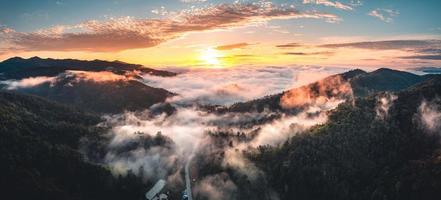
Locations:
428 70
334 4
429 114
430 51
231 85
239 56
423 57
117 34
415 49
325 90
151 157
216 187
324 53
289 45
27 82
385 15
102 76
72 77
278 131
192 1
232 46
387 44
158 146
384 102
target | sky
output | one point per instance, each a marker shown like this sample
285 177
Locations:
226 33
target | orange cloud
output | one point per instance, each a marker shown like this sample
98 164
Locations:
130 33
98 77
333 87
289 45
323 53
232 46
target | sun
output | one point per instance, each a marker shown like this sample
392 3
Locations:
211 57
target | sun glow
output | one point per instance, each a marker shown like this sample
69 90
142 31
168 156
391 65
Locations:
211 57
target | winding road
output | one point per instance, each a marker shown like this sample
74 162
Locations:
188 180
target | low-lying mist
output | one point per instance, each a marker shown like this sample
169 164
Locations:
157 146
231 85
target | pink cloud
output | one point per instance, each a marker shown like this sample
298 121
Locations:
130 33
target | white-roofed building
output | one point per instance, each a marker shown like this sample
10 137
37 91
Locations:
154 192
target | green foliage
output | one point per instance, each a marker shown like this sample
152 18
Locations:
39 157
359 156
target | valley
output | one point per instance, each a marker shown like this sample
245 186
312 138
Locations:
374 132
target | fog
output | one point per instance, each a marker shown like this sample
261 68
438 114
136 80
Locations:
27 82
231 85
429 113
157 146
73 76
384 102
187 132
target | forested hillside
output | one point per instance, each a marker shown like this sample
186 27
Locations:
362 84
360 155
19 68
95 86
40 158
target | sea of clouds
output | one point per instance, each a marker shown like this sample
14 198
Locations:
188 127
230 85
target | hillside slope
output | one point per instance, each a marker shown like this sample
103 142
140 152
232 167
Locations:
19 68
361 82
38 150
359 155
383 80
101 97
95 86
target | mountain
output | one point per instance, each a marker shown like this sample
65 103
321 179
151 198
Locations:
358 155
362 84
100 96
40 158
383 80
95 86
19 68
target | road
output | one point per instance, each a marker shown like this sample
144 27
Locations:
188 179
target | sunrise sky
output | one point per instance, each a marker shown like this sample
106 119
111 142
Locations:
226 33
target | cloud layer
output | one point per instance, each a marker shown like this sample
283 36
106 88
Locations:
227 86
388 44
416 49
130 33
73 76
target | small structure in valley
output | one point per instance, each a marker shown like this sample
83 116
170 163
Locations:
155 192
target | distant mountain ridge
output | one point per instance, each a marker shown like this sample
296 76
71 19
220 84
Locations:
383 79
18 68
363 84
101 97
116 90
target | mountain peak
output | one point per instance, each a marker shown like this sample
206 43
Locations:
387 70
13 59
35 58
353 73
